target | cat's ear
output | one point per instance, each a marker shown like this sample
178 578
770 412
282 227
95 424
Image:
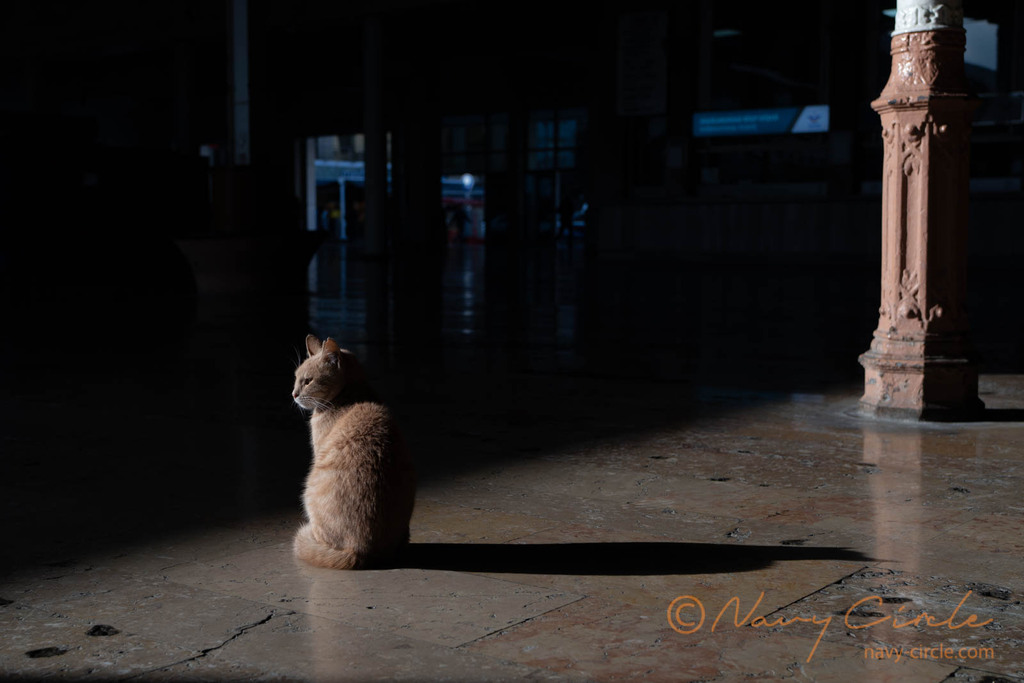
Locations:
332 352
313 345
348 361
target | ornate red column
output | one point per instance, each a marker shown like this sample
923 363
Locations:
920 365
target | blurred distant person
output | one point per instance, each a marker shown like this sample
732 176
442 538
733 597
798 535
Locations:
572 204
458 221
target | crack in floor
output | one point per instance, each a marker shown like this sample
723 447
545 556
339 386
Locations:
202 653
518 623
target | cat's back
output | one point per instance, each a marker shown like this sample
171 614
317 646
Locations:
364 422
364 430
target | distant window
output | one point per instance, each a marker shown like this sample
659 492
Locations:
997 141
553 138
474 144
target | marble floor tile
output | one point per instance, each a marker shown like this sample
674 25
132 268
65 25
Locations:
35 586
314 648
190 618
434 521
444 607
599 640
987 549
38 644
201 545
644 514
970 675
922 617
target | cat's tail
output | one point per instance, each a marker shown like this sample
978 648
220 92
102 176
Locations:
309 550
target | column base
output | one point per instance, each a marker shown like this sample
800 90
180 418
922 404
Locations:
941 390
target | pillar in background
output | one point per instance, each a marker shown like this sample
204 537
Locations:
239 82
920 364
231 183
376 156
308 156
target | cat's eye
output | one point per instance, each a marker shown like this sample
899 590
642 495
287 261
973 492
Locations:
307 381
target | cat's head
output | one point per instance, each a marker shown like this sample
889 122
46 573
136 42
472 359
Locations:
325 373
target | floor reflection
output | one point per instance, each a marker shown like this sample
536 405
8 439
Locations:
552 310
894 462
786 327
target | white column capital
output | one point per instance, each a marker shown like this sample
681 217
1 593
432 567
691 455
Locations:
928 15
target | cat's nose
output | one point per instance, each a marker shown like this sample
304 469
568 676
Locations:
295 394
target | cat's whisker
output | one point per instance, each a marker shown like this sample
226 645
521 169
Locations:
312 402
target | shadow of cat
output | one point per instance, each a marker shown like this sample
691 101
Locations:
611 559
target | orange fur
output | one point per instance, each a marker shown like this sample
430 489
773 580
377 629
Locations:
361 486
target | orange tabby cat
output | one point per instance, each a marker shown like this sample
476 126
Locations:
360 489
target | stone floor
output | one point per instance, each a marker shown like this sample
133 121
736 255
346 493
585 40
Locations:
592 506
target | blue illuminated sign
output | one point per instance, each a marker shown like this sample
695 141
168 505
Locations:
811 119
